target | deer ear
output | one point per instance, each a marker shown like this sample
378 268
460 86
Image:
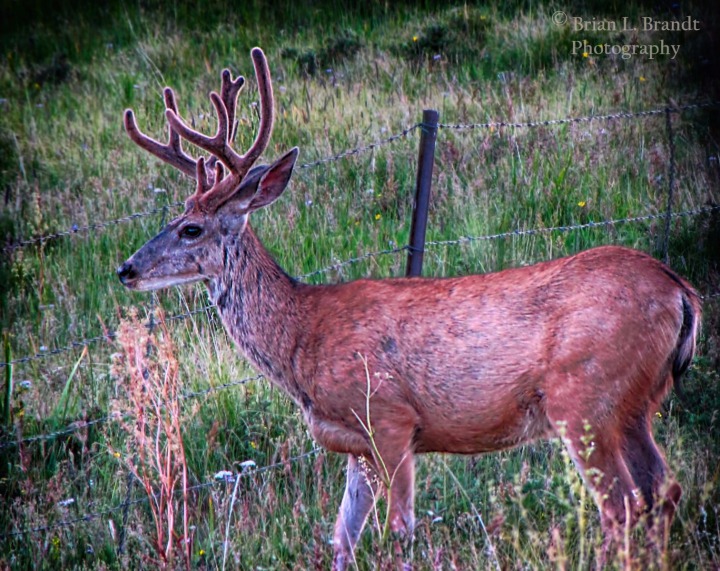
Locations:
273 181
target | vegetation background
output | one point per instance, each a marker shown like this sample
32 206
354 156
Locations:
109 494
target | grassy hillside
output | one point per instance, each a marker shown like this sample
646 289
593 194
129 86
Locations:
344 77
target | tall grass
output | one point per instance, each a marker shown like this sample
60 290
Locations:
343 77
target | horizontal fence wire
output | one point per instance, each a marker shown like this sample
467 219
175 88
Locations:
350 261
246 473
574 227
109 336
585 119
362 149
75 229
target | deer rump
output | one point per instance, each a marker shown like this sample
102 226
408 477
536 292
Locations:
486 362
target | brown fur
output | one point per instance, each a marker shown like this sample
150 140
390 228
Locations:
584 348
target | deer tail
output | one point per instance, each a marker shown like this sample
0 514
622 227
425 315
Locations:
687 339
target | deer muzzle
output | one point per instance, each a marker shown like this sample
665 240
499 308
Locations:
127 274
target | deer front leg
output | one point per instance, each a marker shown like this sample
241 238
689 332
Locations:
358 500
402 510
402 496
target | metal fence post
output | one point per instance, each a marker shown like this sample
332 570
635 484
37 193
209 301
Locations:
426 159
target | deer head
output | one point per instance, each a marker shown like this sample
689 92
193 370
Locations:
228 187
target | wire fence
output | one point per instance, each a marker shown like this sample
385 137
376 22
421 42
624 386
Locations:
462 240
81 425
75 229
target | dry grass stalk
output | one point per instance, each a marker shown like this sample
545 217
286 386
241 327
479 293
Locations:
154 446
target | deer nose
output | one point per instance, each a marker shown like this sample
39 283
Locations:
126 272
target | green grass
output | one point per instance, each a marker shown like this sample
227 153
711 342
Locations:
343 77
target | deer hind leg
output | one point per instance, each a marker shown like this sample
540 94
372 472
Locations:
595 450
649 470
596 454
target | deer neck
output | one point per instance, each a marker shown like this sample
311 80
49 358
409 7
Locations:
259 307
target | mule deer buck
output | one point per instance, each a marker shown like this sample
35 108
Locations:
387 369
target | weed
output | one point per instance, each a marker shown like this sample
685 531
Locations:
152 420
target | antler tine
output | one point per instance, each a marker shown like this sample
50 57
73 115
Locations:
170 152
266 109
229 93
203 185
219 171
174 140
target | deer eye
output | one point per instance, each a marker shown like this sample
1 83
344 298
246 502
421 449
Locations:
191 231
